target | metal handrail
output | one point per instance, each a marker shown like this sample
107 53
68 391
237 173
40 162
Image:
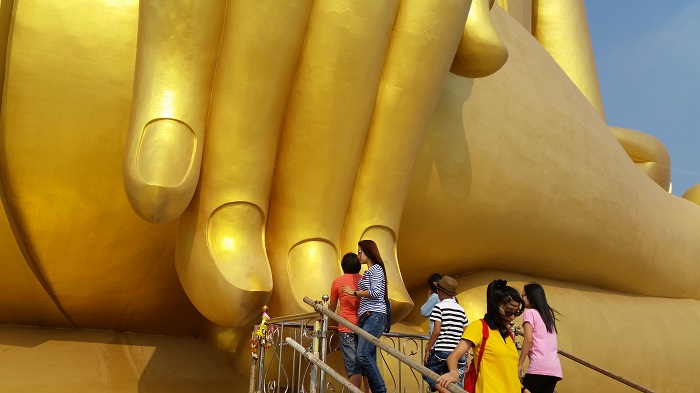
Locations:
295 317
604 372
320 362
322 365
453 388
390 334
593 367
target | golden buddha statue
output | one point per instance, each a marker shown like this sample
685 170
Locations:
255 142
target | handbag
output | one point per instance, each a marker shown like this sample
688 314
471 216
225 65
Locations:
387 328
473 372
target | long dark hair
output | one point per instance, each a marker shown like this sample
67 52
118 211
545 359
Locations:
434 278
538 301
498 293
369 247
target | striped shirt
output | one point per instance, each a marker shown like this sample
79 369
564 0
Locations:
452 320
374 282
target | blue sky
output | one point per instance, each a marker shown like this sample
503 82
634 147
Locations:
647 54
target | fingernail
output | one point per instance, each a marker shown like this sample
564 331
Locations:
235 240
165 152
312 266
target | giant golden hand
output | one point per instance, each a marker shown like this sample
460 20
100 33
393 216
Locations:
308 147
312 111
290 128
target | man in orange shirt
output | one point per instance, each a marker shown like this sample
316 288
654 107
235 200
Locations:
348 310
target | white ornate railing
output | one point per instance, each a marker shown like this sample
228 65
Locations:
294 354
281 366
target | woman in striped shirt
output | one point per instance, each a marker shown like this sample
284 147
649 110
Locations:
372 313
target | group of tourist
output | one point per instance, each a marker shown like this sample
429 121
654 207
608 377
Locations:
496 365
364 301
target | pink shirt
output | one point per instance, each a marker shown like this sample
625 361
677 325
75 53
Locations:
544 359
348 304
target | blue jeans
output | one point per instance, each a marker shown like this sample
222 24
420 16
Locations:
437 362
348 346
367 352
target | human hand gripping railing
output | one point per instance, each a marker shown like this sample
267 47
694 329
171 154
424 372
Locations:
393 352
518 332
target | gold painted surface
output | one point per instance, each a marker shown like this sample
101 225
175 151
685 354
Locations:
333 140
520 10
561 27
648 153
693 194
59 360
481 51
5 25
65 110
545 188
21 280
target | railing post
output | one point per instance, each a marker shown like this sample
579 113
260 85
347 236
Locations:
324 345
313 387
261 368
315 360
262 339
253 365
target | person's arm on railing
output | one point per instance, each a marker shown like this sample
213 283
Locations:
453 375
431 341
527 344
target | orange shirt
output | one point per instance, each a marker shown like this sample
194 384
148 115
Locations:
348 304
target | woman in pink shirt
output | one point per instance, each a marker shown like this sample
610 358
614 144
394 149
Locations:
540 343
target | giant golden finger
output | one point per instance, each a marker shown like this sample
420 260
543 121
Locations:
324 132
561 27
175 64
423 45
220 256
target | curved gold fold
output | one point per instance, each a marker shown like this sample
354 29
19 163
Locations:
481 51
693 194
648 153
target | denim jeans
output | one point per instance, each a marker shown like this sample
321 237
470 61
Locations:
437 362
348 346
367 352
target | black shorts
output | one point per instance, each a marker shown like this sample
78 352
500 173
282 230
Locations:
540 383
